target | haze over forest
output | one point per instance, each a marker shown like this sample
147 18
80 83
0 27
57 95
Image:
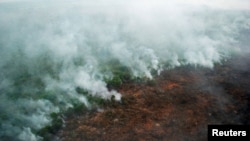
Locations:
51 49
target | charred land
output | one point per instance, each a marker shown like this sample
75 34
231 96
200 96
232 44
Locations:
176 105
122 70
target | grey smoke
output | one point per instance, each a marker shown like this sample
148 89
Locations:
54 47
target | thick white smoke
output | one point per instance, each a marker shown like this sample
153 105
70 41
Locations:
48 49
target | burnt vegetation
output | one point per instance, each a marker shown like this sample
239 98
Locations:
176 105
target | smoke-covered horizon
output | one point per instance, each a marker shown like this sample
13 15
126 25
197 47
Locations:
48 49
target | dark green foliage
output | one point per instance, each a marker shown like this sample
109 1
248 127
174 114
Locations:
49 95
3 116
112 98
76 109
115 82
81 91
48 131
120 73
79 108
154 72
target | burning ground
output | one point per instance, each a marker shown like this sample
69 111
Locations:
96 65
177 105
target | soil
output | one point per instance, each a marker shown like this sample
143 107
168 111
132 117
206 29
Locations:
176 106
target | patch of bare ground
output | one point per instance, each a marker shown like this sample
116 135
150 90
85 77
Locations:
178 106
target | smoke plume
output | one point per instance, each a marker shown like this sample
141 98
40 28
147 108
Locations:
50 48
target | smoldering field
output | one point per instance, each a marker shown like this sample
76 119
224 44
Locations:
49 49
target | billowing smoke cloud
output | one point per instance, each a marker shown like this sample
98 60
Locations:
48 49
